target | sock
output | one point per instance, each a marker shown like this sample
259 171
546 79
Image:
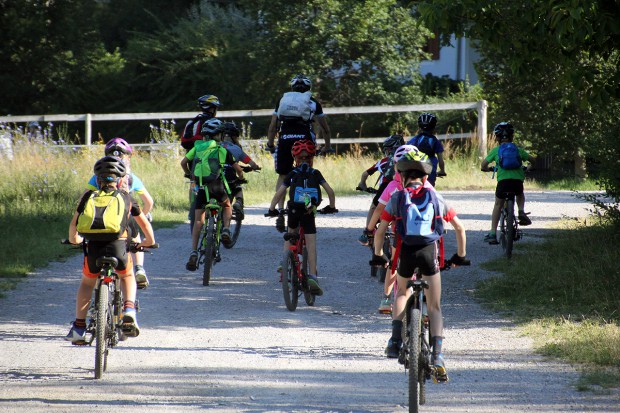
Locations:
79 323
129 304
397 330
436 342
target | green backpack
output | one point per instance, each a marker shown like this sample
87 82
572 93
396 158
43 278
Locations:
209 162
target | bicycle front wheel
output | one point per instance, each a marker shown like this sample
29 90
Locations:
101 330
235 229
209 251
510 227
290 281
414 350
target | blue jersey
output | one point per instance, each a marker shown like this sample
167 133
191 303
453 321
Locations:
135 184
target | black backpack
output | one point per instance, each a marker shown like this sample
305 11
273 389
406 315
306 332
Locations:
305 187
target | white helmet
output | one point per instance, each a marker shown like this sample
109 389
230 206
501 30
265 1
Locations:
402 150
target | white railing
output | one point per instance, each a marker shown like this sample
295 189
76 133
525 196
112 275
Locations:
89 118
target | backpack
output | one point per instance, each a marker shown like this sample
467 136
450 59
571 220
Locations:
103 216
425 143
295 105
509 157
420 221
305 187
209 162
191 133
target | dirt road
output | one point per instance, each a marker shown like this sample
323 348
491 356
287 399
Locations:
233 346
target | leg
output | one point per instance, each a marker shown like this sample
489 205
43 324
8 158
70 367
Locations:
84 294
199 220
398 313
311 247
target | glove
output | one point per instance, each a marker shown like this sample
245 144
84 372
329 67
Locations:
272 213
379 261
370 234
457 260
270 148
187 176
149 217
242 181
328 210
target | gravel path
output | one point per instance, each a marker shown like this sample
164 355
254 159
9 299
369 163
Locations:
233 346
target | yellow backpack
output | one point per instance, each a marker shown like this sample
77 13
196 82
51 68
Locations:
103 216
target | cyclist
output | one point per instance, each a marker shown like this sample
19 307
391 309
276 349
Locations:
191 133
230 141
427 142
217 187
119 148
508 180
303 213
109 172
292 120
418 251
385 166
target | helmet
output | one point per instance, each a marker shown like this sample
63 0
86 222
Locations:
415 160
504 130
393 142
402 150
209 101
118 147
231 129
300 83
427 121
212 127
303 145
110 165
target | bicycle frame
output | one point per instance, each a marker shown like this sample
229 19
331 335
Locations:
295 271
210 241
509 224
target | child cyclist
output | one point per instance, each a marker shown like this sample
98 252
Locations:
418 249
211 182
109 172
302 213
510 175
385 167
119 148
427 142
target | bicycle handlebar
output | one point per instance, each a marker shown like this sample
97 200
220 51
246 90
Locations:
370 190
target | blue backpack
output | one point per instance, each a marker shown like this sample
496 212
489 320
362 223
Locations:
420 221
425 143
509 157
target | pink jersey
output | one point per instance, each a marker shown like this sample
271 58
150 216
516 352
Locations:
397 185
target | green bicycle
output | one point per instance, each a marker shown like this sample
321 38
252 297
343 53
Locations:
210 240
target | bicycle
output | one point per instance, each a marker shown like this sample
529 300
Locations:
237 214
210 240
105 324
387 250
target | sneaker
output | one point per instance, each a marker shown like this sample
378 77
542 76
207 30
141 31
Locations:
238 208
77 335
193 261
491 239
141 279
226 238
392 351
363 239
130 325
313 285
524 219
386 305
440 374
280 223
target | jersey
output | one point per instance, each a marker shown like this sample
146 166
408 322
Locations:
304 184
136 186
191 133
385 167
502 173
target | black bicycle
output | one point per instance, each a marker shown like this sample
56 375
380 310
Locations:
509 231
237 213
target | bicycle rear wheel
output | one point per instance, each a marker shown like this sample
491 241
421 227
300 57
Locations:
101 330
290 281
235 229
510 227
414 348
308 296
209 251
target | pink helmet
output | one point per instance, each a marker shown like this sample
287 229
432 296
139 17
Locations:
118 147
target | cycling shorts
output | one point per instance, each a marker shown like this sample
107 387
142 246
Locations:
117 249
301 216
284 160
509 185
424 257
216 190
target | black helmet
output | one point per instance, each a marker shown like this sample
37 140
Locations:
231 129
392 142
207 102
504 130
300 83
212 127
427 121
110 165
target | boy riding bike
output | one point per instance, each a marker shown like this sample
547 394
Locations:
110 172
208 174
427 143
508 159
418 212
304 197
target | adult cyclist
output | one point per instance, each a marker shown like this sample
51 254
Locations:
292 121
209 105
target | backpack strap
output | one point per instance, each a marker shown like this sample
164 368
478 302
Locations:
84 200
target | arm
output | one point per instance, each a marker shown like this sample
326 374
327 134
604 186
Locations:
461 237
380 236
326 133
330 194
147 229
271 132
440 163
238 170
74 237
375 217
185 166
363 179
147 201
484 166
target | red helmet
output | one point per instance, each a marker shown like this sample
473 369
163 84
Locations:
303 145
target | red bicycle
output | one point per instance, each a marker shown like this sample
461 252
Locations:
295 271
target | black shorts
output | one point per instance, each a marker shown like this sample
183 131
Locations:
424 257
299 215
508 185
375 200
283 157
96 249
133 228
216 190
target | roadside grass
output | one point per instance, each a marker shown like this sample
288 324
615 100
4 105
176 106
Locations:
564 292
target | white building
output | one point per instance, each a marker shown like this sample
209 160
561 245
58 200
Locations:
455 61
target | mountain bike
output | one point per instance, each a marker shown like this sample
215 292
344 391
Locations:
237 214
105 323
210 240
508 224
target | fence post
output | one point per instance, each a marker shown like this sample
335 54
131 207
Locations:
88 131
482 128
